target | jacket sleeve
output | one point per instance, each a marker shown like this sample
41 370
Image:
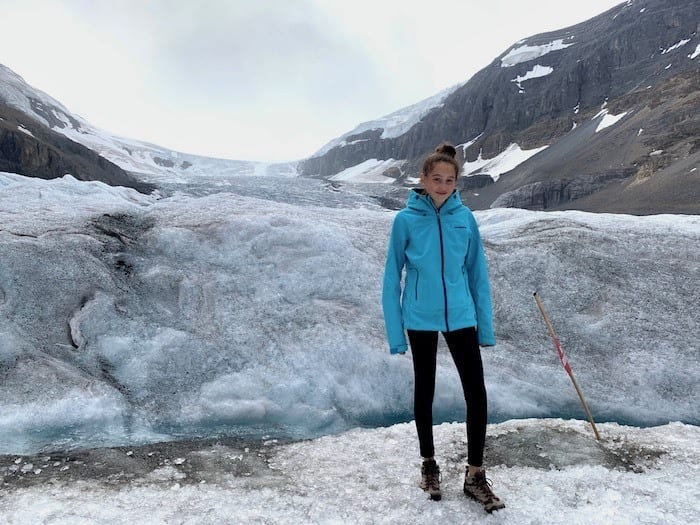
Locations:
479 286
391 288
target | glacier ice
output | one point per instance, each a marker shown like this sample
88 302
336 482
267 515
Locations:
251 308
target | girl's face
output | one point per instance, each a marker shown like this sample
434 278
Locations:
440 182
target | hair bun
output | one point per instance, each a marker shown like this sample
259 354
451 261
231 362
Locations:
446 149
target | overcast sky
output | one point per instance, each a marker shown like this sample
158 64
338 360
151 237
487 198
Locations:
260 79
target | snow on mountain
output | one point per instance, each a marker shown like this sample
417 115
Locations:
526 53
370 170
394 124
511 157
537 71
148 161
608 120
675 46
695 53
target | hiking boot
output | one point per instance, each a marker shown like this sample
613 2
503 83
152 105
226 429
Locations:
430 479
479 488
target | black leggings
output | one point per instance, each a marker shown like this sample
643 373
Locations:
464 347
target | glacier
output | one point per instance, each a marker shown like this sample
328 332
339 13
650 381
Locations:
215 352
251 308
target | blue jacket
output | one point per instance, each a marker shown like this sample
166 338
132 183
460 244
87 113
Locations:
447 285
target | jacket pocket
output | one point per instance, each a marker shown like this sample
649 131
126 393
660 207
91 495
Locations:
459 240
465 277
411 286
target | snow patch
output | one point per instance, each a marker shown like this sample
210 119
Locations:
536 72
675 46
465 146
526 53
505 161
370 170
608 120
695 53
25 130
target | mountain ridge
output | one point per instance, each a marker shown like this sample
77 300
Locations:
147 162
538 91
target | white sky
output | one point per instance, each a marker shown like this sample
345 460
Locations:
259 79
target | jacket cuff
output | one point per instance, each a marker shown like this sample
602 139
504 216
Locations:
399 349
487 342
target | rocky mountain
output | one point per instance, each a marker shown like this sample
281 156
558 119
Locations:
67 135
30 149
31 146
600 116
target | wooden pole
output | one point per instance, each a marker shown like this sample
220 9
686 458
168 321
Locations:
565 363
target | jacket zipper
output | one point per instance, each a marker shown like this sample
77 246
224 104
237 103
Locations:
442 268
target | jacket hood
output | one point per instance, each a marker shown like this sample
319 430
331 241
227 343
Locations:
421 202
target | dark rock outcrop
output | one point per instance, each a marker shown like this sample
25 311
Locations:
166 163
30 149
553 193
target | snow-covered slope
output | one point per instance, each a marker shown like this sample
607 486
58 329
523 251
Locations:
393 124
148 161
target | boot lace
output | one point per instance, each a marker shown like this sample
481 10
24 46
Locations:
482 487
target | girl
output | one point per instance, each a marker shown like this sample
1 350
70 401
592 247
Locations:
436 240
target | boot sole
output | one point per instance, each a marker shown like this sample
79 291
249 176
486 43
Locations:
484 505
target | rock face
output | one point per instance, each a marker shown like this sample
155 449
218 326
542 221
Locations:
30 149
638 61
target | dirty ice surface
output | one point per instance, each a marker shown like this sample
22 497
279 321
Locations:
547 471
